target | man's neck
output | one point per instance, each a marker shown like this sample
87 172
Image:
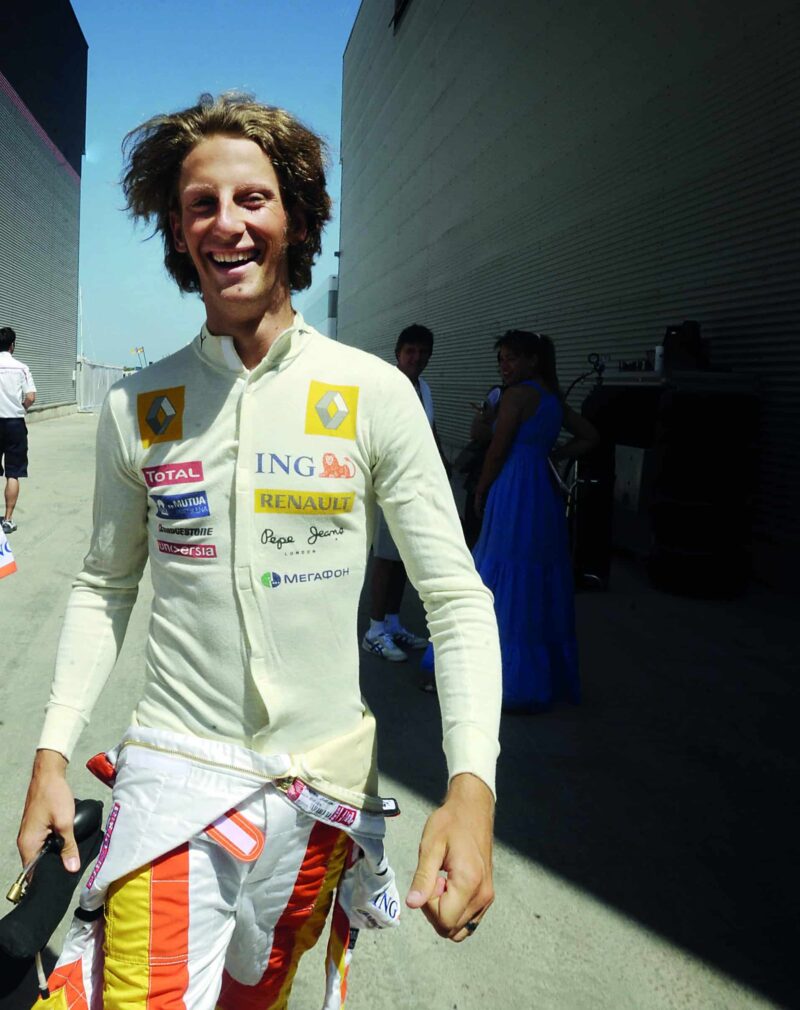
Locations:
253 338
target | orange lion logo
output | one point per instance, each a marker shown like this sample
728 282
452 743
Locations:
331 467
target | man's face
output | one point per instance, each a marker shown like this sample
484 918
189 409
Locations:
412 359
233 225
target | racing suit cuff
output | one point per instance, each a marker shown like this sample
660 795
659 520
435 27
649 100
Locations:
62 727
469 749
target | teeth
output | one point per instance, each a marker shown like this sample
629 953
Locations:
231 257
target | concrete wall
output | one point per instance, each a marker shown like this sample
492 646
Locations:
594 171
42 124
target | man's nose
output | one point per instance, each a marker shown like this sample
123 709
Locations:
229 218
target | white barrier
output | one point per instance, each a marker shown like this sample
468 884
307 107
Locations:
93 382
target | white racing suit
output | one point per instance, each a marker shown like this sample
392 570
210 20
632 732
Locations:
216 873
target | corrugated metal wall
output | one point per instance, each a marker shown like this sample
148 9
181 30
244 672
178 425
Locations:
595 171
39 229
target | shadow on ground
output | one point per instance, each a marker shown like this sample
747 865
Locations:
671 793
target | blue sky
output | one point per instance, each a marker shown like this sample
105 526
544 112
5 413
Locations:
158 56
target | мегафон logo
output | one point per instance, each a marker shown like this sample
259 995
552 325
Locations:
271 580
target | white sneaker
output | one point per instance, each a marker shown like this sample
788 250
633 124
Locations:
408 640
383 646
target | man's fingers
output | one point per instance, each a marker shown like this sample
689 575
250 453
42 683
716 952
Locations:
425 883
431 912
70 856
29 843
469 927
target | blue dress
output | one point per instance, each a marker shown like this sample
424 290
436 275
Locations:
523 556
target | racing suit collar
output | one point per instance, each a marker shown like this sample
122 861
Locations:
219 349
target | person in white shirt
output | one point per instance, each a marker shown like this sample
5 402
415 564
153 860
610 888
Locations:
247 468
17 394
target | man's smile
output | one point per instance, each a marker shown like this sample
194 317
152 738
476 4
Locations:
236 257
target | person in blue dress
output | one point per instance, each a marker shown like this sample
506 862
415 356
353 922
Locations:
522 553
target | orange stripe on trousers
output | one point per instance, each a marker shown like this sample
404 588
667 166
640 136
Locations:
299 925
169 931
69 977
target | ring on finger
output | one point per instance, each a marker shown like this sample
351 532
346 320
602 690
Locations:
471 926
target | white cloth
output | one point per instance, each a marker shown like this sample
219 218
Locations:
253 495
383 545
247 828
170 786
16 382
426 396
7 563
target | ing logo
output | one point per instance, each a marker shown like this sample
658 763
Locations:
331 410
160 414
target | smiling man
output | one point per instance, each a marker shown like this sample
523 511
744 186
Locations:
247 468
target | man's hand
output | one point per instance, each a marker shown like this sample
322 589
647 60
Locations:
49 806
458 840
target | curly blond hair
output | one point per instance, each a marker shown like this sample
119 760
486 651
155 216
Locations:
154 152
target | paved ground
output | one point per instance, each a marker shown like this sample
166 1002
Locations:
644 854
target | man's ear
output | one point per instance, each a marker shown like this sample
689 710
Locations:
177 232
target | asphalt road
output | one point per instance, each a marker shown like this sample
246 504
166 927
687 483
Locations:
643 841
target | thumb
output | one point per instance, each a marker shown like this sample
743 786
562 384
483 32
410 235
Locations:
426 878
70 856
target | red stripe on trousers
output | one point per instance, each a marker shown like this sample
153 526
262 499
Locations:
301 904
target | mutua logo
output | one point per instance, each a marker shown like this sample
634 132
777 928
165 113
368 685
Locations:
181 506
305 466
173 473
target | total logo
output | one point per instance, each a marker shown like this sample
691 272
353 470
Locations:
305 466
173 473
272 580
